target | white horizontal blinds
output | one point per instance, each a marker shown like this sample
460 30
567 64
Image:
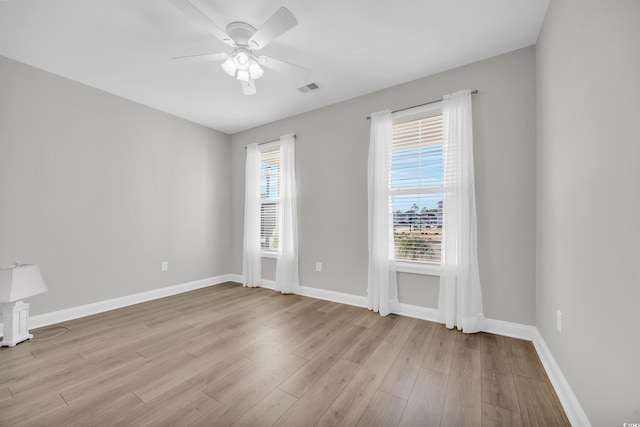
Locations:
417 189
269 199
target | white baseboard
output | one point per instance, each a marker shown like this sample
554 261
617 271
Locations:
498 327
268 284
418 312
46 319
570 403
510 329
343 298
514 330
573 409
235 278
323 294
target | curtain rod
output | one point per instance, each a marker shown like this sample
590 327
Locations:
269 142
473 92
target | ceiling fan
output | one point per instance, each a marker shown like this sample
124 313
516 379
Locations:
242 63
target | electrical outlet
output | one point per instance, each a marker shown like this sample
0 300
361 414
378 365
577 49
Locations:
164 266
559 321
318 266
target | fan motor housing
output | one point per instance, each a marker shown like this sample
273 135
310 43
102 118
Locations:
240 32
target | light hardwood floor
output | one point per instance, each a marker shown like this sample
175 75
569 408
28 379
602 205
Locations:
228 355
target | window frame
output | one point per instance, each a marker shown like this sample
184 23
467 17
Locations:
262 148
405 266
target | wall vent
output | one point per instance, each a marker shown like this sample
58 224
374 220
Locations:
309 87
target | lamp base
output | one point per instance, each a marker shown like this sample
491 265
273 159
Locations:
16 324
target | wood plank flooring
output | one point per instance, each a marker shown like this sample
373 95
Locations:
228 355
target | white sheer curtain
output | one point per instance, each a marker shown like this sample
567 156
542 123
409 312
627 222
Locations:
287 268
251 258
382 291
460 300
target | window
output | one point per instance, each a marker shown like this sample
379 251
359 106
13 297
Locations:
417 175
269 197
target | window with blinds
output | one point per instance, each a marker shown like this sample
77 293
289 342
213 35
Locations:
417 178
269 198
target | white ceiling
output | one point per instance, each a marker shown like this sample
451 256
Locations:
353 47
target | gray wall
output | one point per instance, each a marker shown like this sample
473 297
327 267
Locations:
332 146
588 240
99 190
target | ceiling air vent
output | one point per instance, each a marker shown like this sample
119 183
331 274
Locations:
309 87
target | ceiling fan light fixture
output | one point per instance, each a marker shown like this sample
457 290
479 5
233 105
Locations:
229 66
245 40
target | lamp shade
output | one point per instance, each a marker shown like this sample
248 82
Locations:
243 75
229 66
255 70
20 281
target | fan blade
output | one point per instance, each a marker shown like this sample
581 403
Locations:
279 23
186 7
205 57
285 67
249 87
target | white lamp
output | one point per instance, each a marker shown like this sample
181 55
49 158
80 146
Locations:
18 281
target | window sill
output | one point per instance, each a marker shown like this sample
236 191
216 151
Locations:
266 254
418 268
